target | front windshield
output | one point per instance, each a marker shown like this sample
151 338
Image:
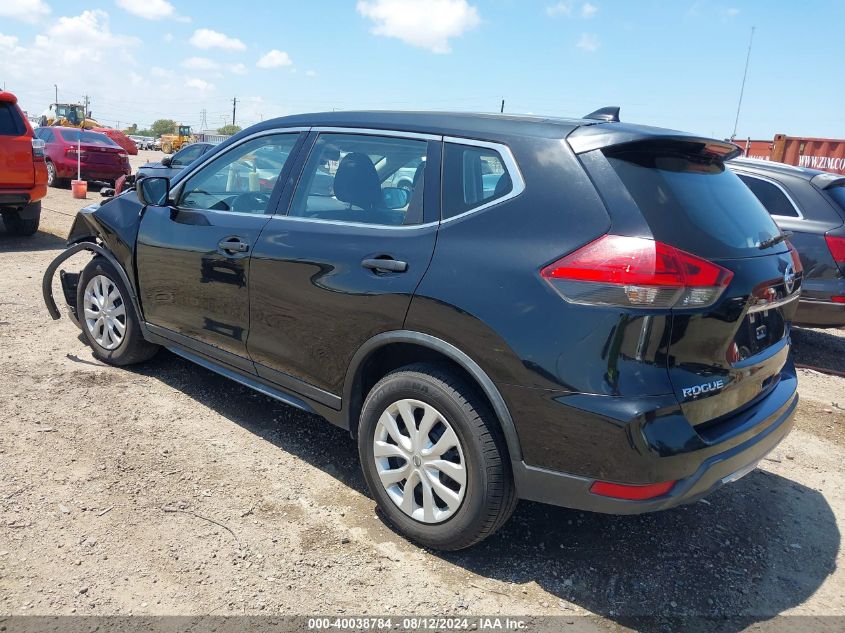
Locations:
184 130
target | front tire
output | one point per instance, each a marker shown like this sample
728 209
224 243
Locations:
106 316
434 458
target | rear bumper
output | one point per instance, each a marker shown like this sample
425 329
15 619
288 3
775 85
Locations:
21 197
817 313
716 460
92 172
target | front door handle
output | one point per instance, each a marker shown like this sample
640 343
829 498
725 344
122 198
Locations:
233 245
385 265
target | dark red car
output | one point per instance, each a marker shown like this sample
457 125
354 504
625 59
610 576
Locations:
101 158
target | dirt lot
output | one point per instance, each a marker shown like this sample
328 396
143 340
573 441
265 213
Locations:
164 489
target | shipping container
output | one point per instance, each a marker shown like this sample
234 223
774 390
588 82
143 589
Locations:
817 153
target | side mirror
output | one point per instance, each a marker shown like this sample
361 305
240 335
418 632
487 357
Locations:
153 190
166 161
395 197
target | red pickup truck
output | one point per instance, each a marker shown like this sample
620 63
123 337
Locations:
23 172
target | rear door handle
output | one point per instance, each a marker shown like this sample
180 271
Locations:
385 265
233 245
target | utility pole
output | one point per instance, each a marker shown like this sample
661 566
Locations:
234 107
502 109
204 124
742 88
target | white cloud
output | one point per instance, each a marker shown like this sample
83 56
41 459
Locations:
561 8
200 63
148 9
732 11
84 38
426 24
310 73
24 10
206 38
588 10
162 73
274 59
588 42
199 84
237 69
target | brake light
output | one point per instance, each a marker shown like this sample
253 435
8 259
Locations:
633 492
836 245
71 152
38 148
838 299
636 272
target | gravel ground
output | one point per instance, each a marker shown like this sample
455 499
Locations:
165 489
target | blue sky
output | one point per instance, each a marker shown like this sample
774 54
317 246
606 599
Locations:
674 64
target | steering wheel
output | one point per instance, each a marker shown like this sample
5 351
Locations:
250 202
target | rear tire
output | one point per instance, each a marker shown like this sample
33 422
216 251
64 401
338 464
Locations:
460 496
53 179
16 225
107 318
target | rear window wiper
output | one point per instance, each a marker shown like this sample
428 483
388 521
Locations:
777 239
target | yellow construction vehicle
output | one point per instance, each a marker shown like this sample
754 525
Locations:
67 115
174 142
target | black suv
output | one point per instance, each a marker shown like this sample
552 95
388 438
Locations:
575 311
810 204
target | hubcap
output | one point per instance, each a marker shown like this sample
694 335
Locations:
105 312
420 461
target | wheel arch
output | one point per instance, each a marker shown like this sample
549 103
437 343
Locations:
47 279
390 350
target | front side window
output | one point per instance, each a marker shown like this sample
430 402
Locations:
187 156
472 176
364 179
770 195
241 179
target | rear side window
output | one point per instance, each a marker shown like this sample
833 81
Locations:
772 196
10 121
695 203
472 176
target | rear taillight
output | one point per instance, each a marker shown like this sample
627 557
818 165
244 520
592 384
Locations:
71 152
836 245
38 148
636 272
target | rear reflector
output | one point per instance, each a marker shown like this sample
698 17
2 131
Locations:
636 272
634 492
836 245
838 299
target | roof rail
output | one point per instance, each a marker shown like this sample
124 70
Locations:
608 113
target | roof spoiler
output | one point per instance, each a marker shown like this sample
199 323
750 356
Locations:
825 181
591 137
608 113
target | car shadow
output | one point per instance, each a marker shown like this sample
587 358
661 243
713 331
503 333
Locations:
748 552
39 241
824 349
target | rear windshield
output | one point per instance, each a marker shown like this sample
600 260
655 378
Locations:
695 203
838 195
10 121
91 138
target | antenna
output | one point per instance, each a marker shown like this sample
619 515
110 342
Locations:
742 88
